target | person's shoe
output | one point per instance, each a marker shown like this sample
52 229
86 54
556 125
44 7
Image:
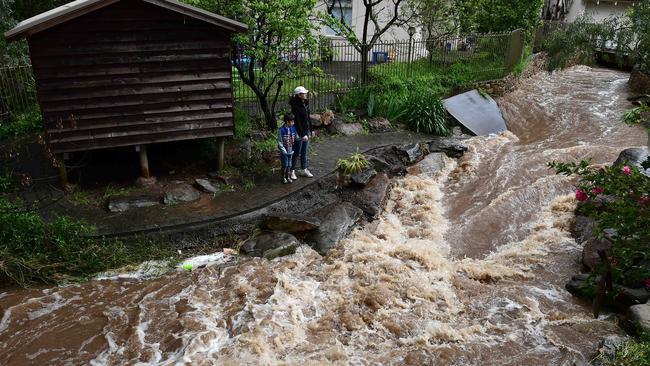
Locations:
293 175
289 180
284 181
307 173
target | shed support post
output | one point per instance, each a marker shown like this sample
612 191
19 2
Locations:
221 142
63 173
144 160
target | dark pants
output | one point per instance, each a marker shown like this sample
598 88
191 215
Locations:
286 160
300 150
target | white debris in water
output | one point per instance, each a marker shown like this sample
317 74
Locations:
205 260
145 270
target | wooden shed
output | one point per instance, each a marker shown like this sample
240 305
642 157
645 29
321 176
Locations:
113 73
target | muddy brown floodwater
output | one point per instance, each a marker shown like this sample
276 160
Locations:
466 267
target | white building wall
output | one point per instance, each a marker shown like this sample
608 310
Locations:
599 10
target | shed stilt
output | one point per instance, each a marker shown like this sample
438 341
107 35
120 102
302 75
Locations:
144 161
221 142
63 173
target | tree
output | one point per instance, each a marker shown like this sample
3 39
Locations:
437 18
378 17
486 16
278 45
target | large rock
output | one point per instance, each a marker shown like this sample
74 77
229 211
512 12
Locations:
451 147
640 314
346 129
180 192
634 157
379 125
290 223
409 154
610 344
387 160
121 204
205 186
430 165
639 81
315 120
337 220
590 257
372 197
581 285
270 245
364 177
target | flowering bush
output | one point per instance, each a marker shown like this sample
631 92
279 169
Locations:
618 197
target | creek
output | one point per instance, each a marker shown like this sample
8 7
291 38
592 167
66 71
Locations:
464 267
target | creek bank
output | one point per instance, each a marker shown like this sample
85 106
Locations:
323 213
595 284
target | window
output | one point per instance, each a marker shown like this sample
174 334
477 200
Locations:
344 9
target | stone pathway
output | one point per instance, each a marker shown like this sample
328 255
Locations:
210 210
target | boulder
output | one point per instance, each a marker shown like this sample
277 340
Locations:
205 186
430 165
337 220
590 250
581 284
180 192
409 154
639 81
640 314
387 160
270 245
626 296
379 125
346 129
451 147
634 157
364 177
290 223
378 163
121 204
372 197
315 120
610 344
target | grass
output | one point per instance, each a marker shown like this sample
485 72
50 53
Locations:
112 191
314 83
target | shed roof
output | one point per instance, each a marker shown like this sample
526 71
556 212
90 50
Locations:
78 8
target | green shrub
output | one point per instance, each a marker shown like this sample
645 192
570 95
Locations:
28 122
625 210
353 164
426 113
32 250
243 123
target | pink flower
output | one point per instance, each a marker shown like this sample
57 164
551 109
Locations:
597 190
627 170
581 195
645 199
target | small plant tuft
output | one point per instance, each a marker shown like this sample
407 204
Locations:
353 164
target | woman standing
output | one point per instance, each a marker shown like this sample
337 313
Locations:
300 109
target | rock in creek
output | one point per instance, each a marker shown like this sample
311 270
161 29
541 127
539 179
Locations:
180 192
640 314
336 222
364 177
270 245
372 197
430 165
634 157
409 154
451 147
121 204
290 223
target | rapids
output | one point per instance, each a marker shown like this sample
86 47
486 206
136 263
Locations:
466 267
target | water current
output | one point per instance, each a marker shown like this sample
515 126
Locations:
464 267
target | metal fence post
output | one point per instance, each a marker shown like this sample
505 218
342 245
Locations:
515 49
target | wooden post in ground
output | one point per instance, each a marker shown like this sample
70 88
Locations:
515 49
144 160
221 142
63 173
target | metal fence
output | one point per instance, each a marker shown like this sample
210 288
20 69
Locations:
17 92
335 68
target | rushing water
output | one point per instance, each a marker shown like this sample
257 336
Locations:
465 267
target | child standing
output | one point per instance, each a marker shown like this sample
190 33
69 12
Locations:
286 138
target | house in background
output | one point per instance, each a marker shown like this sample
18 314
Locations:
597 9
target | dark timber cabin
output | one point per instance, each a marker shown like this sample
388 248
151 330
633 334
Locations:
113 73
